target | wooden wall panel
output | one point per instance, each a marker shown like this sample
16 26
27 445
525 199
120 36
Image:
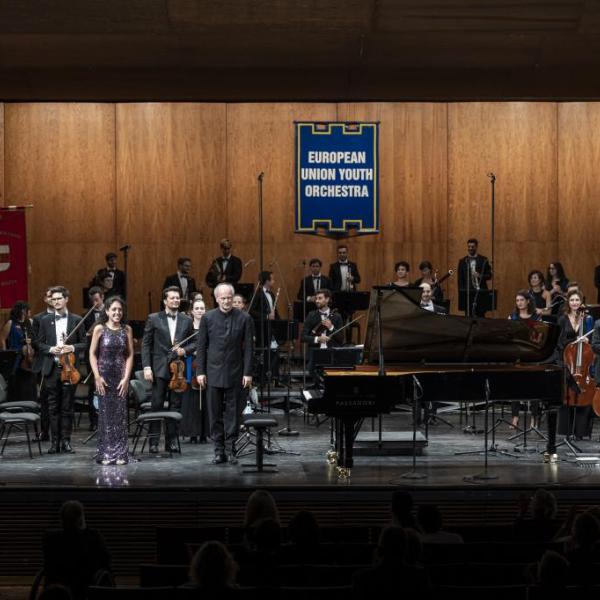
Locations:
60 158
518 142
171 191
578 211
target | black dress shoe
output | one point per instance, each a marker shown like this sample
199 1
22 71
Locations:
219 459
202 440
231 459
43 436
153 449
172 447
66 447
54 449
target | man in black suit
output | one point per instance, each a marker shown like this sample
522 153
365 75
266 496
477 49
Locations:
265 303
344 274
162 331
224 367
319 326
118 287
54 339
597 281
38 361
474 271
316 281
427 299
183 281
225 268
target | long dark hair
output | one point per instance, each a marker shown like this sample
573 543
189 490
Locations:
107 304
530 306
19 311
560 273
539 274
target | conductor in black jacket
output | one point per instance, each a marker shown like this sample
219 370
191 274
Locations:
182 280
54 329
224 367
164 330
320 328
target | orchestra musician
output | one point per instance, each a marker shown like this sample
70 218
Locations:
105 282
226 268
182 280
524 310
344 273
239 302
53 330
427 300
38 361
17 334
320 328
96 299
573 313
597 282
401 269
118 276
540 296
224 368
429 276
474 271
557 284
314 282
265 303
162 332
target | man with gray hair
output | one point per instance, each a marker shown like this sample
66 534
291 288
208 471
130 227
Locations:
224 367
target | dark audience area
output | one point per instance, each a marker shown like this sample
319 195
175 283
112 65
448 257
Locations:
415 555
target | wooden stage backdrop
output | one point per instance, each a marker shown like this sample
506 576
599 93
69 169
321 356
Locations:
173 179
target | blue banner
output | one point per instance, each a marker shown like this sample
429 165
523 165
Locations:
337 169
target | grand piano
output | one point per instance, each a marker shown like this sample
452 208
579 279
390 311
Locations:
447 356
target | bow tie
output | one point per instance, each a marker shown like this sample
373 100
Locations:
171 316
58 317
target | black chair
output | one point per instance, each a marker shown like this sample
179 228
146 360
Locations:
129 593
20 421
144 422
260 424
153 575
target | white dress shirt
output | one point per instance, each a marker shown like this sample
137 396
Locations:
172 323
344 272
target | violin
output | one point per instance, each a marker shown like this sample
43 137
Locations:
578 359
28 353
177 382
69 375
320 328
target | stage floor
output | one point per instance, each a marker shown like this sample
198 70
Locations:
303 464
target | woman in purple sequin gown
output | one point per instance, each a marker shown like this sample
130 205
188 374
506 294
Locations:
111 359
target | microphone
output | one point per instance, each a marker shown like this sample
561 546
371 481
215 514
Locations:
249 262
492 176
261 176
125 247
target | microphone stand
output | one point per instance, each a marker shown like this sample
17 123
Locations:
492 177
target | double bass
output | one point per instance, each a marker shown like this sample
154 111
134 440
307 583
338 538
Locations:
578 358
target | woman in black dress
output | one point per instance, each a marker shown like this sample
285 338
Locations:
557 284
541 297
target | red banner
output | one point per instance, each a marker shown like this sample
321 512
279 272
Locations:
13 257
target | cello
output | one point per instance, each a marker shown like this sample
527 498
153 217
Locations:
578 358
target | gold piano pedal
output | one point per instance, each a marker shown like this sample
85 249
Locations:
332 457
343 473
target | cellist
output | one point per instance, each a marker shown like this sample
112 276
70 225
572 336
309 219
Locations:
574 323
59 336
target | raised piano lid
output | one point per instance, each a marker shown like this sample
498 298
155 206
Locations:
413 335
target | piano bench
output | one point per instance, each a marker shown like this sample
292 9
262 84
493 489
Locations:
260 423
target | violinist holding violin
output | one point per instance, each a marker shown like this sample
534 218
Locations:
320 327
161 350
60 341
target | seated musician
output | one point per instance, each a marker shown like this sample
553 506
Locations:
239 302
320 327
427 300
401 269
429 276
525 310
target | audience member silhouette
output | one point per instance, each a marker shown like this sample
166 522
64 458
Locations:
260 506
392 576
76 555
430 522
541 525
213 571
402 510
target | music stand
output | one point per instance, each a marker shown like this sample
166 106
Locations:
349 302
244 289
299 308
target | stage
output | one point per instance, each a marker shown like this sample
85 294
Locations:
128 502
